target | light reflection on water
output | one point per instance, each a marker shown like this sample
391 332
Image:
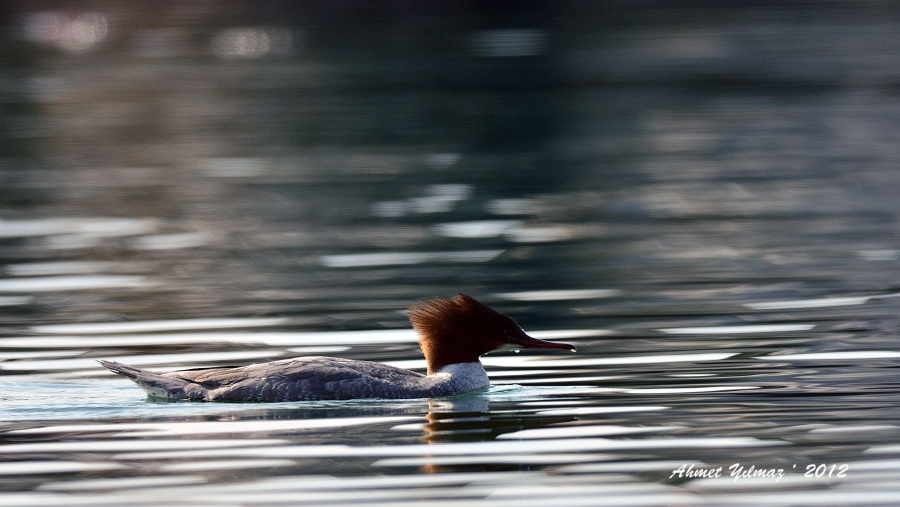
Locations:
157 325
706 209
594 423
69 283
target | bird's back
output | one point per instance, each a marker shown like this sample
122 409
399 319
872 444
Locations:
303 378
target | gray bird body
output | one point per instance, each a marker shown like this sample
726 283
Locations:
453 334
304 378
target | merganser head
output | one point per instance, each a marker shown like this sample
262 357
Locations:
461 329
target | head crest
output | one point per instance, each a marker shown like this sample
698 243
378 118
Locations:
430 314
461 329
450 330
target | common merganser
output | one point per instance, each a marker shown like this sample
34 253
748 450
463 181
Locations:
453 334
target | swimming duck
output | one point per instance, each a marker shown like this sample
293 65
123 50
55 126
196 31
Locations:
453 334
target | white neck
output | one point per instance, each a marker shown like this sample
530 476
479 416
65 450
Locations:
467 375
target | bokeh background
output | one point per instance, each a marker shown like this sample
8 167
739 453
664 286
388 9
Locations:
702 195
244 158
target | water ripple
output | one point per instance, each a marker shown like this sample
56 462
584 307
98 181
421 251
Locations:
454 449
74 282
756 328
286 339
849 355
209 428
407 258
809 303
156 325
559 295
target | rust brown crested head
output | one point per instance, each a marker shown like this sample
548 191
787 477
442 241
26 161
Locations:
461 329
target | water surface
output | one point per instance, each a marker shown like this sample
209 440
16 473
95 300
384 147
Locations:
702 200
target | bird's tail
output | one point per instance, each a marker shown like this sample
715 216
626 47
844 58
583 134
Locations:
157 385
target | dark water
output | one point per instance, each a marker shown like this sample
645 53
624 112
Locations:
702 198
